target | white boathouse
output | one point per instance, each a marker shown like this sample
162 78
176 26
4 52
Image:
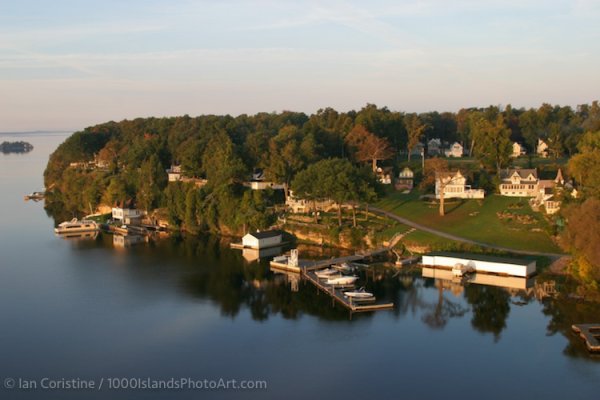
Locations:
482 263
262 240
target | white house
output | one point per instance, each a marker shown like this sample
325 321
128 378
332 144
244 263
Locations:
518 150
517 182
456 150
127 215
481 263
259 182
405 179
542 148
262 240
434 147
454 185
174 173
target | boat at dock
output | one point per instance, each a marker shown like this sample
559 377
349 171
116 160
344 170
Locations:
344 267
459 270
328 273
75 225
359 294
342 281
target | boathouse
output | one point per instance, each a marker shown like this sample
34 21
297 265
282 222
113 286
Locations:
481 263
262 240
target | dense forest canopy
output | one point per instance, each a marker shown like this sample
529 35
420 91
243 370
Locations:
225 150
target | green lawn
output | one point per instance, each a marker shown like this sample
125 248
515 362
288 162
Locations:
518 227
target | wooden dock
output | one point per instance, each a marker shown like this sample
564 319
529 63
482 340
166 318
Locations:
337 295
590 333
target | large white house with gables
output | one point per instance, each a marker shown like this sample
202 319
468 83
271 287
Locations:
525 183
454 185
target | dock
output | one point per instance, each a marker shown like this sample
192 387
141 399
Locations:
590 333
338 296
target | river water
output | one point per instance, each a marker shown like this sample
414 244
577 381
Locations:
192 308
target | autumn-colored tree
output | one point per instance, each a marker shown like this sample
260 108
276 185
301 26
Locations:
366 146
582 237
415 128
436 172
585 166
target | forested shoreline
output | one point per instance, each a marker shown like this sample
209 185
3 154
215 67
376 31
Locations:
224 150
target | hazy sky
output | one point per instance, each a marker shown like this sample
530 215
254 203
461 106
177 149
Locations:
70 64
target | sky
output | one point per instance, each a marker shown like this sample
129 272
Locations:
69 64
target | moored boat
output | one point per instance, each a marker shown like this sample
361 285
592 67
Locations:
359 294
327 273
342 281
75 225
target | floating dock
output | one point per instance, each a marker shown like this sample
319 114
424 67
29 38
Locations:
338 295
590 333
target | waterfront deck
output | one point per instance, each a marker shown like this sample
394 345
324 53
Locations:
338 296
590 333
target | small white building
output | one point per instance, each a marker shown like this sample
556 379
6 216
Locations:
481 263
174 173
127 215
454 185
262 240
456 150
297 205
542 148
384 175
518 150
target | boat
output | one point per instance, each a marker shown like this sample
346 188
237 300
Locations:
75 225
36 196
359 294
342 280
78 235
344 267
459 270
123 230
327 273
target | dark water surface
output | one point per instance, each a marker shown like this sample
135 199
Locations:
193 308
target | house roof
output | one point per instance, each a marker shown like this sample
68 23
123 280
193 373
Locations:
523 173
448 174
482 257
265 234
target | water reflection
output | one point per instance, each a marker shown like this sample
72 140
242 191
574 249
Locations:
235 281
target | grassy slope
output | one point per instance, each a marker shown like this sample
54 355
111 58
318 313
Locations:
477 220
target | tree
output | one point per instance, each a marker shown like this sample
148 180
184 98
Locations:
289 152
493 146
367 146
415 129
436 174
221 163
582 236
151 181
585 166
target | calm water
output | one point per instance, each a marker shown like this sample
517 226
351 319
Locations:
193 308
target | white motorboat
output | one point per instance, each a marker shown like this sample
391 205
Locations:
344 267
75 225
459 270
359 294
327 273
342 280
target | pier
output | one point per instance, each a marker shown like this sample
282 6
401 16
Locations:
338 296
590 333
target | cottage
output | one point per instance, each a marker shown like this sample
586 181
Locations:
259 182
405 179
262 240
174 173
481 263
128 216
546 194
542 148
517 182
456 150
434 147
454 185
518 150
